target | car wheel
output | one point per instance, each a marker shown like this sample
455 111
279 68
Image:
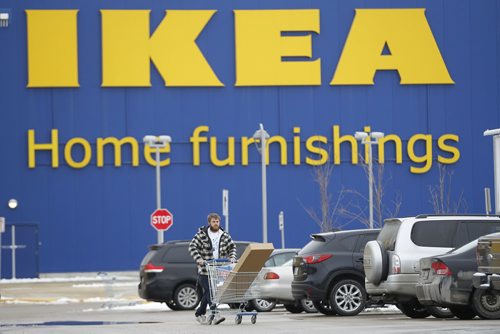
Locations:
439 312
324 307
308 306
375 262
413 310
263 305
348 297
171 305
294 308
486 303
463 312
186 297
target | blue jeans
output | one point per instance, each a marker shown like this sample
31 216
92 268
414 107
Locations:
205 299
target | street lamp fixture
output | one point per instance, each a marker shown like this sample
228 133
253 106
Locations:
365 138
261 137
157 142
12 203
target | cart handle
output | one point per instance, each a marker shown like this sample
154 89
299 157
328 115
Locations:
223 260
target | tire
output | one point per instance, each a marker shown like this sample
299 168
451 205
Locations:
186 297
439 312
234 306
463 312
413 310
486 303
348 297
171 305
375 262
308 306
263 305
294 308
324 307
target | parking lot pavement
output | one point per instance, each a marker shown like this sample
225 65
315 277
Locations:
108 303
156 318
71 287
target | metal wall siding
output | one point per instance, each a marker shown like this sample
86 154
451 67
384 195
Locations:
98 218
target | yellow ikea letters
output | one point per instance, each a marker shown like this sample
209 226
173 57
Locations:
264 48
406 33
127 48
260 48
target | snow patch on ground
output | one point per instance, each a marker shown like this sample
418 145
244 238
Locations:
66 279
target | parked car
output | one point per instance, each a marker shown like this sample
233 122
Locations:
275 285
169 275
329 271
277 258
446 280
486 296
392 264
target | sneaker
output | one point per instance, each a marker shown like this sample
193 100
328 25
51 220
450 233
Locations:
219 320
201 319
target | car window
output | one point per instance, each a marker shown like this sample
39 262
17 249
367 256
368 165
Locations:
347 243
478 229
288 263
148 257
434 233
314 246
281 258
177 254
269 262
467 247
240 248
363 240
388 234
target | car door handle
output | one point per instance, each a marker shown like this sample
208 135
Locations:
360 260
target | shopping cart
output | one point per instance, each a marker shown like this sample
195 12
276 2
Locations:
227 286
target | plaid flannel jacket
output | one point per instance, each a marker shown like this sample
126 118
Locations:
201 248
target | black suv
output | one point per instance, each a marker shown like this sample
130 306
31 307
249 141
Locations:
329 271
168 274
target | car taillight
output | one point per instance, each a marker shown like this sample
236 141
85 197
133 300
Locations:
313 259
271 275
440 268
396 264
151 268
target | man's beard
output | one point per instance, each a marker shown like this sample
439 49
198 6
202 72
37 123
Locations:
213 229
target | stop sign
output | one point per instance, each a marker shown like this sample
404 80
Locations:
162 219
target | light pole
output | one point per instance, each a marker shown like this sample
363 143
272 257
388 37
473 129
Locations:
496 164
261 137
157 142
365 138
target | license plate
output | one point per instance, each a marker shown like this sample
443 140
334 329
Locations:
425 274
296 270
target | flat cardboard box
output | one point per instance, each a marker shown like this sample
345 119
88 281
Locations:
237 284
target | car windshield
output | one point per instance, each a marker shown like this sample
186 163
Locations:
287 263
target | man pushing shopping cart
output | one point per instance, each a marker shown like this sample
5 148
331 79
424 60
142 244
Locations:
209 243
215 254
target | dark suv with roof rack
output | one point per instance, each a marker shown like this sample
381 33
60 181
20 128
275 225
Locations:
329 271
168 275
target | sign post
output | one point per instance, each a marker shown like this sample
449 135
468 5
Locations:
2 230
162 220
282 228
225 207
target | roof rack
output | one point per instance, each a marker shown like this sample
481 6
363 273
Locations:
455 215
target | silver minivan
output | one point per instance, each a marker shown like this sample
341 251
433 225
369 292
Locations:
392 262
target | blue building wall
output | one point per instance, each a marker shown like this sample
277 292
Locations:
98 218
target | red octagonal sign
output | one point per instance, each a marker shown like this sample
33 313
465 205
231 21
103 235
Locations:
162 219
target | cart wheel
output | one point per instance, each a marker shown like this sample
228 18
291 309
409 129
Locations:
210 319
237 320
253 319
